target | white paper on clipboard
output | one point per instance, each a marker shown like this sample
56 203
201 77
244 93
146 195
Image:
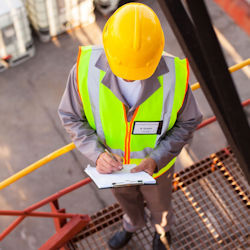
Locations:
119 178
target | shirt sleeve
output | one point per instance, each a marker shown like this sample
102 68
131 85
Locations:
174 140
73 119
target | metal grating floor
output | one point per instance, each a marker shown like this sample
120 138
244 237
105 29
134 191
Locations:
210 203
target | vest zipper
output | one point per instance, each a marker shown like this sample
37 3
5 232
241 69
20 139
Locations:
128 134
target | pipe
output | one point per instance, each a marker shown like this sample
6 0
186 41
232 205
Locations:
36 165
213 118
232 69
43 202
37 214
11 227
239 65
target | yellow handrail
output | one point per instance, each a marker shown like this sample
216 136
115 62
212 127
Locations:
231 69
37 165
71 146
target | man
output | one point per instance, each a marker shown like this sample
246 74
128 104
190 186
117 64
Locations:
134 101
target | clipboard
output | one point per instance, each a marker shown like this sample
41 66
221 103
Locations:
120 178
124 183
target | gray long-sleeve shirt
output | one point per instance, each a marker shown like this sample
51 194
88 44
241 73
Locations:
86 140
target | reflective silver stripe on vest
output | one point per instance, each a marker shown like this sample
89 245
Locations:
134 155
168 95
93 88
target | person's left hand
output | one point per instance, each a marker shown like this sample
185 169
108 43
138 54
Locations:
148 165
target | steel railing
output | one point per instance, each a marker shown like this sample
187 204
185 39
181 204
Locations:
71 146
77 221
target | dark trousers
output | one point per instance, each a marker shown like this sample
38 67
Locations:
158 200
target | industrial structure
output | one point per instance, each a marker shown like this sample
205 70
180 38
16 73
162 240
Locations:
210 201
16 42
51 18
211 197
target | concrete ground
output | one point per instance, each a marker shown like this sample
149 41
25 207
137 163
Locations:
30 128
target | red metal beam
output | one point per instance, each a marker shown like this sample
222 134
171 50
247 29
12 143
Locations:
246 102
37 214
58 222
11 227
206 122
64 234
238 10
42 203
58 194
213 118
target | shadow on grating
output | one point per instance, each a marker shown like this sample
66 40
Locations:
210 203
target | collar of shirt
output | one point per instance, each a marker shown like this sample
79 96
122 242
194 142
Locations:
148 86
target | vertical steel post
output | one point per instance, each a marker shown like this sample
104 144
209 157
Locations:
66 233
58 222
198 41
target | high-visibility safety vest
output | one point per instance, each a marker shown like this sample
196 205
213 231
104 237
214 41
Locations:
106 114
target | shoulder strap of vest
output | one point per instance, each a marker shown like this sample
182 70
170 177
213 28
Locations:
182 66
82 82
181 86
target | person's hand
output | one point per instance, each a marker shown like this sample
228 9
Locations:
106 165
148 165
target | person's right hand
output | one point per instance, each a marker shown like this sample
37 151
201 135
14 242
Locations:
106 165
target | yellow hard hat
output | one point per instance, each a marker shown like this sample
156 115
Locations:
133 41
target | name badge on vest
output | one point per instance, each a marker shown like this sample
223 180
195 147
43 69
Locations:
147 128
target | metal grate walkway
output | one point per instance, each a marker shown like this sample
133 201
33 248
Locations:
210 203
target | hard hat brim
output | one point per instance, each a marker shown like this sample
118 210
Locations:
130 73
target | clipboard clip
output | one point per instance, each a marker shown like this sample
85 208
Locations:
127 183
